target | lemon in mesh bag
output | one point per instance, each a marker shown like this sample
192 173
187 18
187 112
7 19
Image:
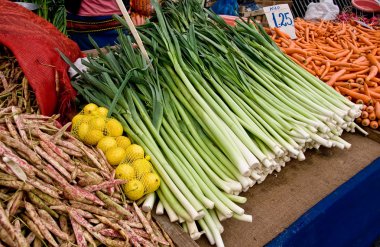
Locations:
134 152
142 167
151 182
101 111
113 127
106 143
125 171
123 142
115 155
89 108
134 189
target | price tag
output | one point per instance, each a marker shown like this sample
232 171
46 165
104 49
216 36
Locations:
281 17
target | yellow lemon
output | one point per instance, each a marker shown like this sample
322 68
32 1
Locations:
123 142
134 189
114 128
89 108
82 131
97 123
86 118
102 111
134 152
92 137
151 182
142 167
115 155
76 119
106 143
125 171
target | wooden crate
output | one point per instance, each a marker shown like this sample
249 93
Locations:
259 15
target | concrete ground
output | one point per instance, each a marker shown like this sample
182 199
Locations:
285 196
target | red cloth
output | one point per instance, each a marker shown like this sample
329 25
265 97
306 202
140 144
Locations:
35 43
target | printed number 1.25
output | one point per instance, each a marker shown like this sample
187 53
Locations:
283 18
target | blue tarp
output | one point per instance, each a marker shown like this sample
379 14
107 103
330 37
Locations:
350 216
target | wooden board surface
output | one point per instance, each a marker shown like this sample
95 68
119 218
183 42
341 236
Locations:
179 237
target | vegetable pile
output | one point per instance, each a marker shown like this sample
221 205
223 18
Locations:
14 87
55 191
345 56
52 11
349 17
93 127
218 109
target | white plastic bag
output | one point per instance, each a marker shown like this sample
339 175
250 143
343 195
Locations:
79 65
324 10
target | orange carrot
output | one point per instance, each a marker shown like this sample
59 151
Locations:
369 109
374 51
347 57
370 83
343 30
307 34
333 44
365 40
299 57
366 48
377 110
364 114
372 72
308 60
360 59
280 33
329 55
355 95
336 76
342 54
343 43
347 77
374 124
294 50
366 91
360 80
342 84
326 69
372 59
366 122
358 120
372 116
374 95
353 47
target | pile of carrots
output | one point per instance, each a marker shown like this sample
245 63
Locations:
344 55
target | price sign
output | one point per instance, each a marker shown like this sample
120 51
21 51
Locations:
281 17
